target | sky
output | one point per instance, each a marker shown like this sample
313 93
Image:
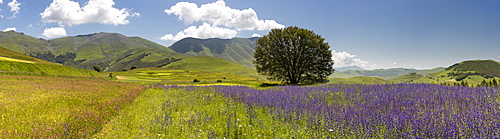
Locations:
371 34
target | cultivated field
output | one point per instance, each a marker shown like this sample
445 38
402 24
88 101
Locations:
175 76
50 106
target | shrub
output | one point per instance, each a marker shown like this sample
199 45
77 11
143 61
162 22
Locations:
196 80
97 68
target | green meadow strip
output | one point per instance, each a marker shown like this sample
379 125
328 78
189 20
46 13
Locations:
193 113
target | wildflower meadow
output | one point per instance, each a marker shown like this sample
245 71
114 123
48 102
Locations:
57 107
327 111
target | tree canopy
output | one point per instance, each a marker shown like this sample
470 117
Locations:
293 55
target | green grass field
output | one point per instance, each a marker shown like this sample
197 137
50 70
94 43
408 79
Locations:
15 60
200 113
39 99
212 64
175 76
57 107
358 80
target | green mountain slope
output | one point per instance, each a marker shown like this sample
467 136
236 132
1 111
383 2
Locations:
484 68
109 51
429 71
471 72
13 62
238 50
21 43
143 58
213 64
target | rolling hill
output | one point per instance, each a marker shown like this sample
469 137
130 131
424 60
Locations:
472 72
109 51
358 80
213 64
238 50
21 43
383 73
16 63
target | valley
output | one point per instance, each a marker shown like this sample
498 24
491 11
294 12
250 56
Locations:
208 88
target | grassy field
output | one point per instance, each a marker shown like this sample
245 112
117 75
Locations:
175 76
15 63
39 99
55 107
90 107
358 80
15 60
16 67
212 64
193 113
330 111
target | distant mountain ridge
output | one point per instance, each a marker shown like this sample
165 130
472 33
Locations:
238 50
382 73
341 69
21 43
110 51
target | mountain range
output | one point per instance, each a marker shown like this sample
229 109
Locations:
341 69
383 73
116 52
109 51
16 63
238 50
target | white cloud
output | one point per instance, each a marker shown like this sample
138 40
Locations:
54 32
394 63
256 35
10 29
204 31
95 11
1 1
344 59
218 14
14 7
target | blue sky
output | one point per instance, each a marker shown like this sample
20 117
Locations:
367 33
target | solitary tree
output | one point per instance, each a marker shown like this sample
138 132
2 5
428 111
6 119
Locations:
133 67
293 55
97 68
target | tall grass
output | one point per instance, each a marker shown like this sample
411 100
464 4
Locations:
52 107
331 111
193 112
